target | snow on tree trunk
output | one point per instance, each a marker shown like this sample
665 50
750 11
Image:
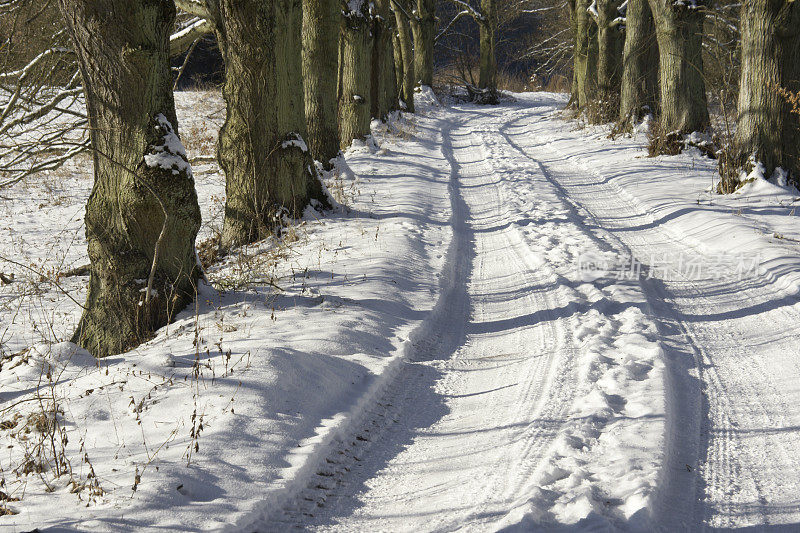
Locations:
679 30
268 169
142 216
639 84
767 131
320 64
356 59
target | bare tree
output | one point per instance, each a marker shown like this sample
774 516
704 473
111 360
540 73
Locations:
552 45
404 53
683 101
486 17
423 26
384 84
262 150
488 29
767 129
355 73
639 84
321 21
142 216
610 41
42 119
43 122
585 54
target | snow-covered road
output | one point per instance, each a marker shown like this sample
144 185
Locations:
517 324
734 382
536 398
532 395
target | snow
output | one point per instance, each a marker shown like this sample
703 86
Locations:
424 96
296 141
592 9
354 6
170 154
493 330
756 183
689 4
190 27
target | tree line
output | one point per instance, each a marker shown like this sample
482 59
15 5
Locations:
636 57
303 79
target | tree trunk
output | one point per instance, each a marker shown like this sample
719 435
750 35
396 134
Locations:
399 75
573 93
384 88
406 50
424 28
143 203
354 103
487 77
268 169
320 64
609 60
679 30
767 131
638 93
585 54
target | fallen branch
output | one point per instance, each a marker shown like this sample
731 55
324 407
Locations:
83 270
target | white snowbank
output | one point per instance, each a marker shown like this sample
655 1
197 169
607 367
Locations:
230 406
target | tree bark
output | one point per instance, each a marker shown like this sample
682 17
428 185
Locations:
354 102
767 131
573 92
639 84
320 65
406 50
487 76
268 169
399 74
609 60
679 30
423 29
142 216
585 54
384 87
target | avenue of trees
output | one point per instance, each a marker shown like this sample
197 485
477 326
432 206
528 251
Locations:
304 79
622 73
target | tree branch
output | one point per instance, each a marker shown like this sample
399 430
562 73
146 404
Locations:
194 7
181 41
474 13
450 24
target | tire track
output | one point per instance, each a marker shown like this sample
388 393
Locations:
725 336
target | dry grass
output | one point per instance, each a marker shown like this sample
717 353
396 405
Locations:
515 82
198 140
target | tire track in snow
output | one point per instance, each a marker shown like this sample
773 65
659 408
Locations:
546 380
581 481
676 485
389 424
476 494
739 436
498 418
